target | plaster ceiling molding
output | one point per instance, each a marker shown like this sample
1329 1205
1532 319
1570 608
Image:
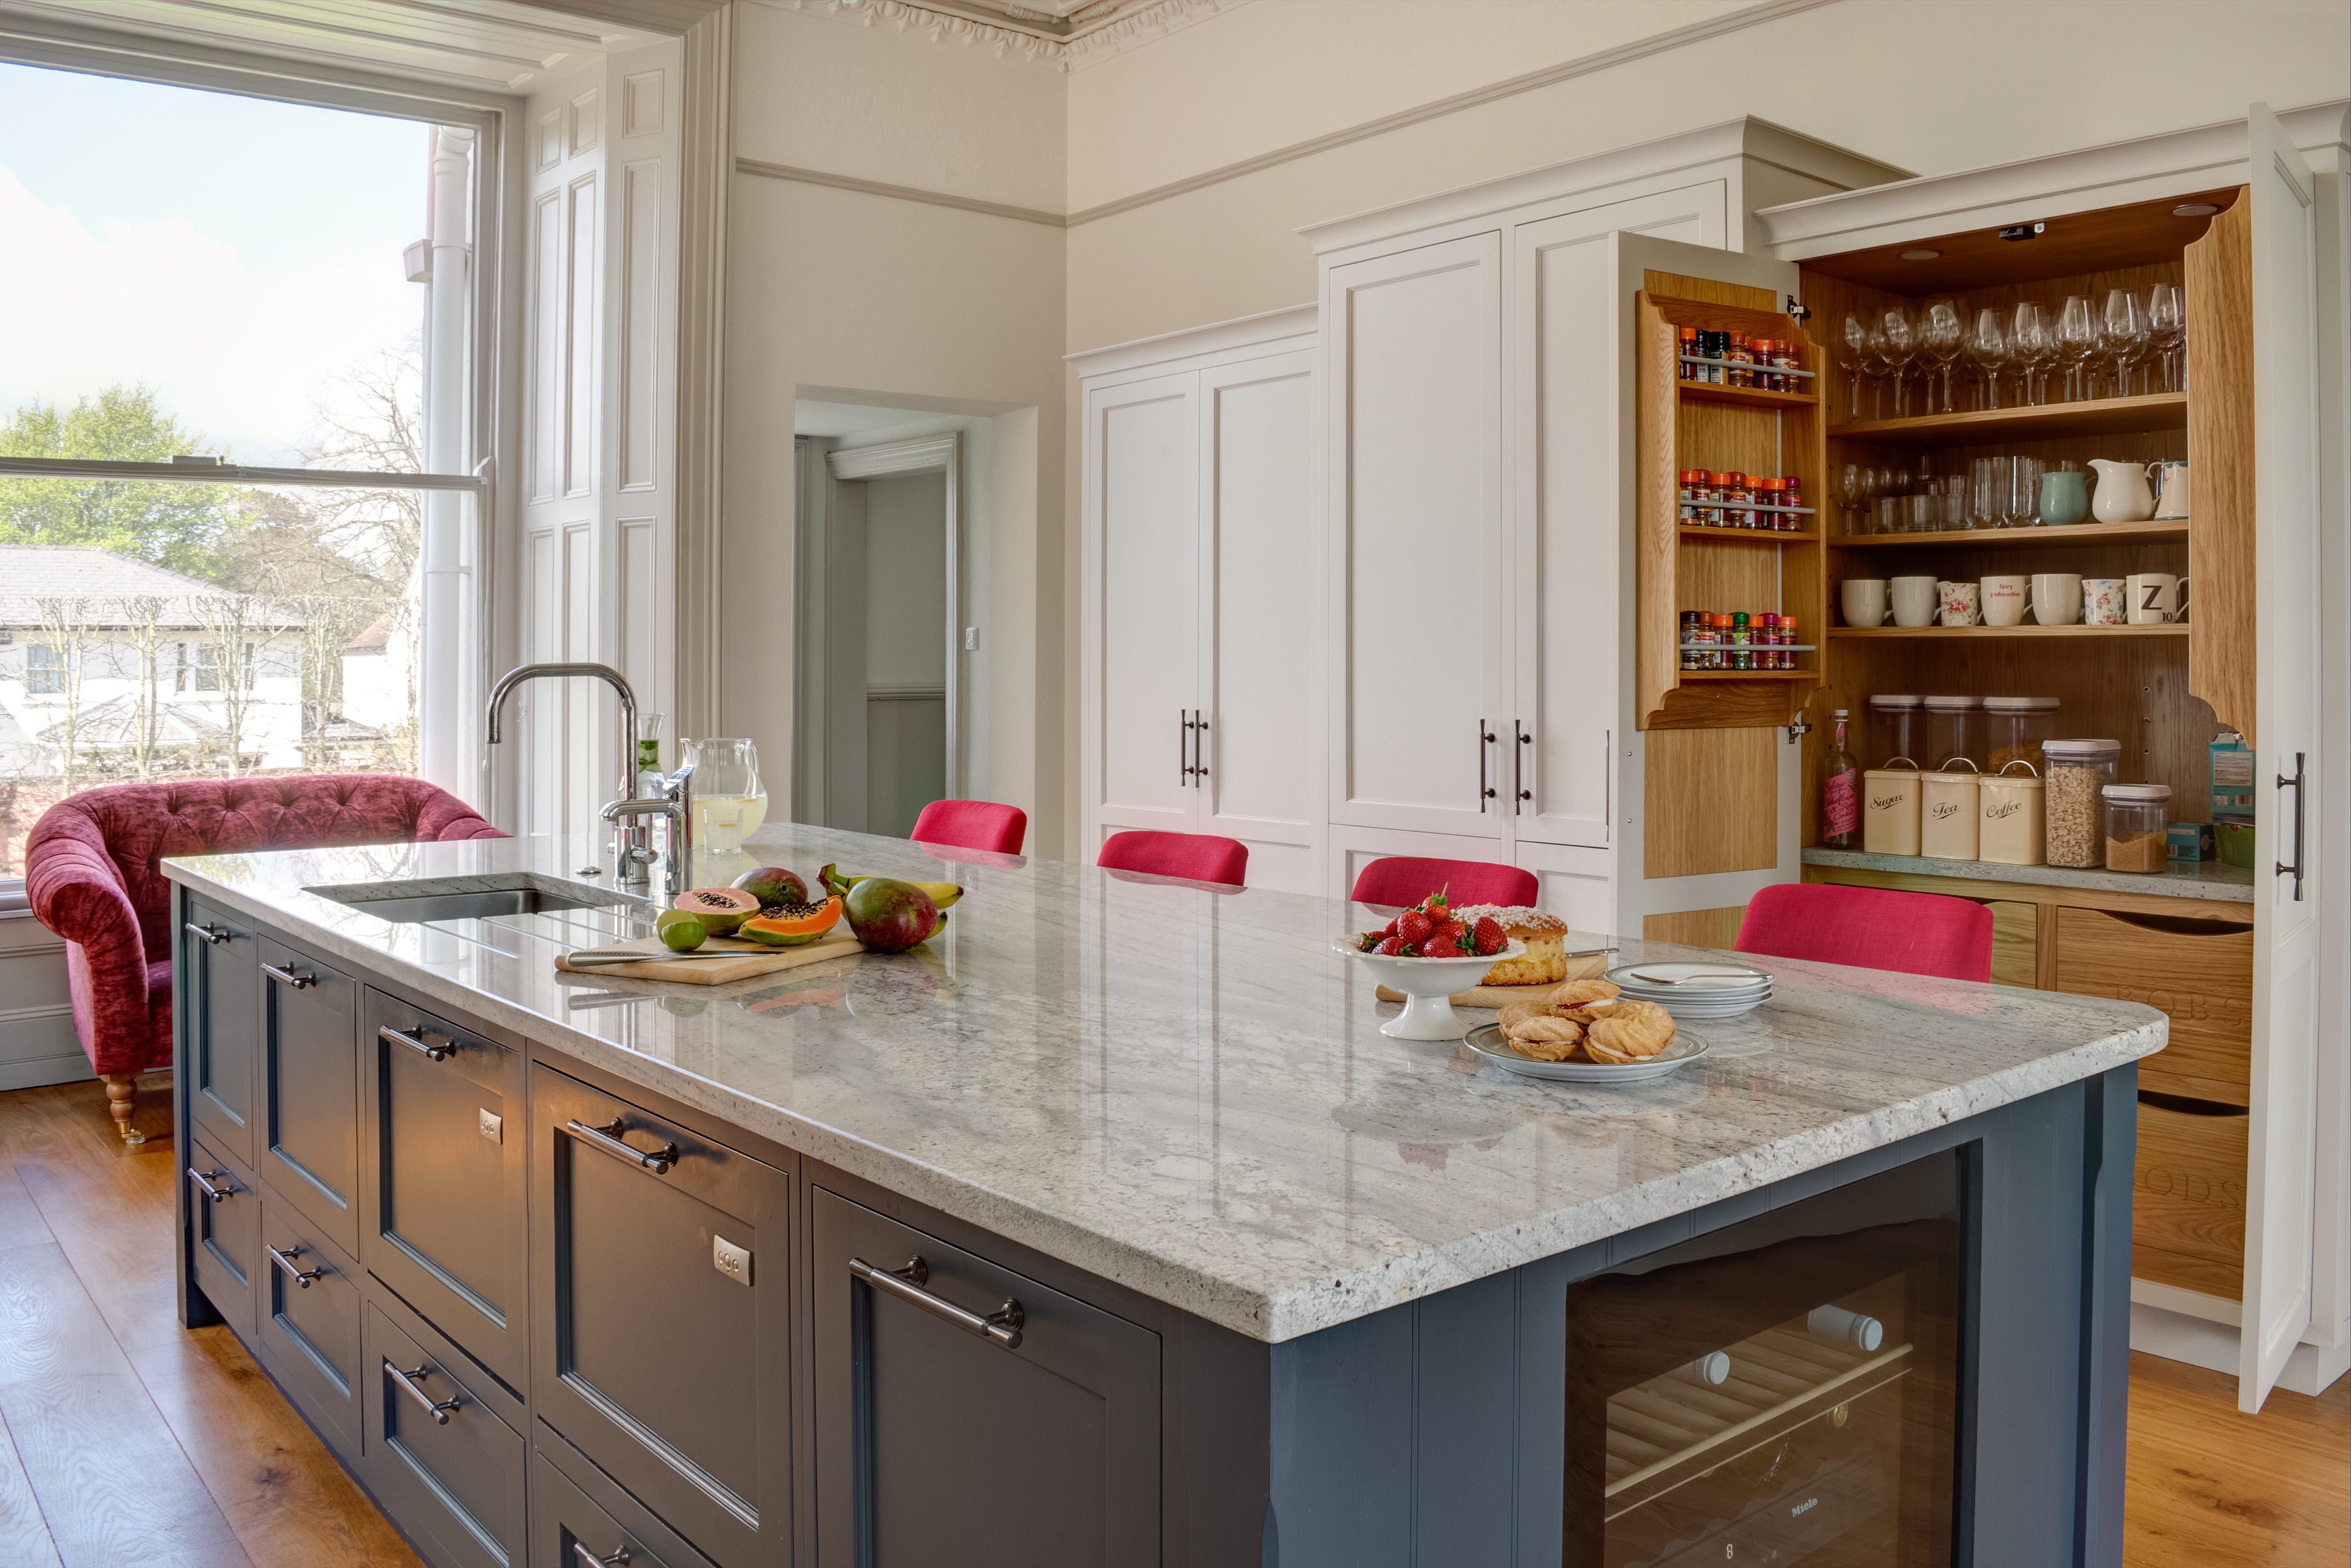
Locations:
1065 35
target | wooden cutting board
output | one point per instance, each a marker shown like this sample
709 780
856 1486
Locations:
756 959
1582 967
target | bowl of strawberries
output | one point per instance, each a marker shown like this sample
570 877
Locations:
1427 954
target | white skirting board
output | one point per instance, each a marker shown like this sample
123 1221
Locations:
2199 1341
38 1046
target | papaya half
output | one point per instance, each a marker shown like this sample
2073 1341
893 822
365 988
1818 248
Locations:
792 924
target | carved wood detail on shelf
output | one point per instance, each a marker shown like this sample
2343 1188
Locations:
2221 550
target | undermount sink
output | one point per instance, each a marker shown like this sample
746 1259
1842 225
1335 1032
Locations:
468 897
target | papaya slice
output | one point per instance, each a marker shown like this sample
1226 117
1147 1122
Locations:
792 924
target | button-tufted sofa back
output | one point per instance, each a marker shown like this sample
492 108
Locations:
136 826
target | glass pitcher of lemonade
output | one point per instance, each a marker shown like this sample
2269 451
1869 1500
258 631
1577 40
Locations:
729 802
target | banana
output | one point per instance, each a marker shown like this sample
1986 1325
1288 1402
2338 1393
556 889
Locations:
942 894
835 881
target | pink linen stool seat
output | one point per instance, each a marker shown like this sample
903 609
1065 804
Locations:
1196 857
1398 882
1870 928
973 825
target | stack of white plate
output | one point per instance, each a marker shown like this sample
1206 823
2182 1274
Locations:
1695 991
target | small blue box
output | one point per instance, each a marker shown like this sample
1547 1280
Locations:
2190 840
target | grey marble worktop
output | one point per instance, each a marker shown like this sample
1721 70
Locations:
2178 879
1187 1091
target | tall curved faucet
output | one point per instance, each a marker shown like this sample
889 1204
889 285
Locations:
633 851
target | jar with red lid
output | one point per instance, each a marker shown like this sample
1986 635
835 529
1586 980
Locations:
1739 501
1719 659
1792 493
1766 377
1784 358
1718 491
1768 493
1740 371
1788 639
1693 495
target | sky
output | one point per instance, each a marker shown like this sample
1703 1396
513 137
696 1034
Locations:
233 253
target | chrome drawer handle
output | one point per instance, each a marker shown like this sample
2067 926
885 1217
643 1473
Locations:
290 975
285 1258
214 935
587 1558
413 1381
1002 1325
608 1138
204 1179
439 1047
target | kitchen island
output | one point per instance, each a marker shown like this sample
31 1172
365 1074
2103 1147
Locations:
1109 1228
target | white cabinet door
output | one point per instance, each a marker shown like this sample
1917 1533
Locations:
2280 1199
1567 532
1142 611
1574 883
1412 344
1262 640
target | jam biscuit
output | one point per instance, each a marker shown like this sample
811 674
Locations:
1634 1030
1544 1039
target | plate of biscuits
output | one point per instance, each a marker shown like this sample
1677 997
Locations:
1585 1032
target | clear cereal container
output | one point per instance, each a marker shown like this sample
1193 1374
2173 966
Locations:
2077 771
2017 727
2138 827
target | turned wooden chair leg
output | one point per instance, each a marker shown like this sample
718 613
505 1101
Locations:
121 1100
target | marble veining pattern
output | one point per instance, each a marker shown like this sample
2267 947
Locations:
1187 1091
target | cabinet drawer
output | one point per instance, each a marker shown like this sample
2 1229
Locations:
441 1188
224 1233
2187 1199
311 1088
934 1444
2200 972
667 1368
307 1305
577 1516
220 986
445 1467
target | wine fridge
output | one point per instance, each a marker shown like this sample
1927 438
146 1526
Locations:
1786 1390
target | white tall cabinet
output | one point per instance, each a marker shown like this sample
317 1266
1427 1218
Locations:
1202 605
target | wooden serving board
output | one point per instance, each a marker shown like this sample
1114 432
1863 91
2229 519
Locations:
756 959
1583 966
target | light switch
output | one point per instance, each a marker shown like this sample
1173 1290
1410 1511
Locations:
971 639
729 1259
493 1126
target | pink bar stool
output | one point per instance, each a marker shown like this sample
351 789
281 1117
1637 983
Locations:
1870 928
1196 857
973 825
1398 882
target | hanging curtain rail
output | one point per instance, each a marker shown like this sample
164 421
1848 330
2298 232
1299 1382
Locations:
228 474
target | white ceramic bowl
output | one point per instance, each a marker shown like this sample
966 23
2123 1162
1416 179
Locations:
1428 985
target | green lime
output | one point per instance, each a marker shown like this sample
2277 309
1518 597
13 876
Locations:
681 931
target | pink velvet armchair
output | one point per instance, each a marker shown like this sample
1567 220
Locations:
93 875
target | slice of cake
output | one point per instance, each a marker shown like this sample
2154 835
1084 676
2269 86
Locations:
1544 963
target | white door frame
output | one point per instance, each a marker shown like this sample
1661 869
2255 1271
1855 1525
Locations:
940 455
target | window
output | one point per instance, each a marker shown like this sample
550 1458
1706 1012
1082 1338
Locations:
200 665
44 671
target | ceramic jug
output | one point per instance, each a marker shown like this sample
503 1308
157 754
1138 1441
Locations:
2173 506
2064 497
2122 495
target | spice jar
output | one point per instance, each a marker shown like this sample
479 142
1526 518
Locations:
1760 348
1740 371
1687 338
1693 495
1889 811
2007 831
1894 729
1690 655
1716 515
2076 771
1770 491
2136 827
1783 357
1742 642
2016 726
1737 500
1787 642
1947 807
1952 729
1792 495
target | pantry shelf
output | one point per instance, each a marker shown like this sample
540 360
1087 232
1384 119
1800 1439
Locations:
1750 675
1748 536
1744 397
2071 536
1982 633
2044 421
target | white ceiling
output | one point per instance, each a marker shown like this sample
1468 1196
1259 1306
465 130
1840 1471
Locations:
501 45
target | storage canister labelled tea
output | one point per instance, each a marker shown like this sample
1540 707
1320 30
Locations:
1948 803
2009 830
1889 811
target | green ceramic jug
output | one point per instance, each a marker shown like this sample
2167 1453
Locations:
2064 497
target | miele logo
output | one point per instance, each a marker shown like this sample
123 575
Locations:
1803 1508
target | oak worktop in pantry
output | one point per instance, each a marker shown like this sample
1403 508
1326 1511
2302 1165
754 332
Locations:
1186 1093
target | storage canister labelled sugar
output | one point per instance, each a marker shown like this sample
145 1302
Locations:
1948 804
1890 809
2009 811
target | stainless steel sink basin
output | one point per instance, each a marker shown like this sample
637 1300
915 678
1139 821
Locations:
468 897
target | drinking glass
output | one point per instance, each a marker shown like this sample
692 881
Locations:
1987 350
1942 333
2124 334
1901 351
2023 493
1987 493
1853 490
729 803
1852 347
2167 320
2034 348
2077 340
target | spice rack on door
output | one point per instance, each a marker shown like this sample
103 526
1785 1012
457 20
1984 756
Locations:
1703 566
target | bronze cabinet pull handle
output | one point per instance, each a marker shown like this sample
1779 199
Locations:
413 1383
215 934
286 973
1001 1326
439 1047
582 1555
284 1259
608 1138
204 1179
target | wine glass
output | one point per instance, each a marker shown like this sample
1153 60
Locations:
2123 335
1901 349
2077 340
1942 333
2167 320
1987 350
2034 348
1852 347
1877 361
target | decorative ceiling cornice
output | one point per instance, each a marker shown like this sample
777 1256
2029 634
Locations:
1077 38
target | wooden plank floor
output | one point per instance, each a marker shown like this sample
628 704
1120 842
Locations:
125 1439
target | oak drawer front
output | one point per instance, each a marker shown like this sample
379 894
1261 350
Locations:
936 1443
667 1369
578 1516
438 1457
310 1088
224 1233
2200 972
2188 1198
445 1220
220 970
307 1307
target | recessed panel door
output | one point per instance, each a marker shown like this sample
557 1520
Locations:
438 1456
309 1298
220 979
223 1234
310 1087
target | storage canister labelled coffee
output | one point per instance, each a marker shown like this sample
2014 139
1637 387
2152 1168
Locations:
2009 827
1889 811
2136 831
1948 805
2077 771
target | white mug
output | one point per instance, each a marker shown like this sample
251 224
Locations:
2005 600
1865 601
1915 600
2106 601
1960 603
2057 598
2154 597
